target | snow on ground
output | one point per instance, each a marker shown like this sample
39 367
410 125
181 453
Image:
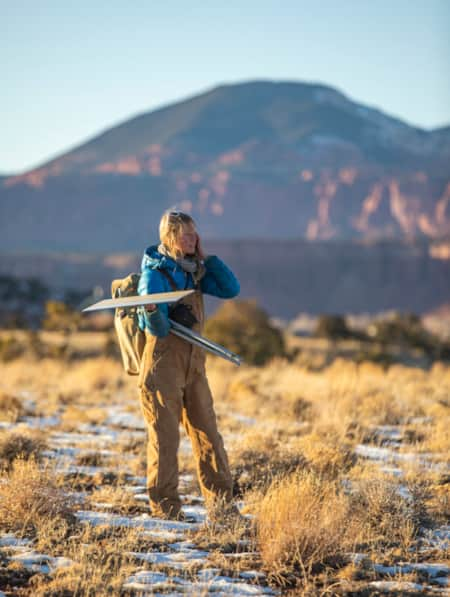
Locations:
388 586
163 570
437 539
179 554
39 562
209 582
389 455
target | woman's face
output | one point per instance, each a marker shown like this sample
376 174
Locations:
187 240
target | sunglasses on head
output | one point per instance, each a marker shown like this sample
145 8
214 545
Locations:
180 215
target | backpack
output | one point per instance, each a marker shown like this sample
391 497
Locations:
131 337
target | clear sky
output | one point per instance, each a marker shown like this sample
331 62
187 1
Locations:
70 70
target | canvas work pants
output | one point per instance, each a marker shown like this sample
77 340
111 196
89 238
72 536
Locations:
173 389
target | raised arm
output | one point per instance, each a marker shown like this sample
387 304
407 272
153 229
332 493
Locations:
219 280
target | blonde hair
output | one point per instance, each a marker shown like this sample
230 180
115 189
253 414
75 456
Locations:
172 223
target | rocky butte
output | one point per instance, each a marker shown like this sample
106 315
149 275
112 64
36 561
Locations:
265 163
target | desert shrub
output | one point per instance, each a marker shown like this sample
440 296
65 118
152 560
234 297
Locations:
305 522
302 523
74 297
11 407
405 329
74 415
245 328
10 348
30 497
333 327
257 469
442 350
14 320
61 317
101 563
375 354
387 516
35 346
118 498
91 459
25 289
437 438
35 290
31 344
9 287
325 454
19 445
438 501
111 346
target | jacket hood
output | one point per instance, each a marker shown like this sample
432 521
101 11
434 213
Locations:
154 260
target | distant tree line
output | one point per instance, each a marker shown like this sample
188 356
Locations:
403 329
240 325
29 303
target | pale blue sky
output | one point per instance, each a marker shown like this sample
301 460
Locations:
73 69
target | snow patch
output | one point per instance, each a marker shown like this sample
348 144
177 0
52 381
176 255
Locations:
38 562
391 585
10 540
143 521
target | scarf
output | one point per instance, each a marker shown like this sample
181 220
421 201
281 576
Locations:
192 265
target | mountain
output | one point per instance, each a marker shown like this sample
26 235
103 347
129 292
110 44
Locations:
258 159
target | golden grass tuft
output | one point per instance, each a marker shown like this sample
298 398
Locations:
117 499
15 445
11 407
74 415
260 458
387 518
326 454
293 460
30 497
303 523
101 563
306 523
438 438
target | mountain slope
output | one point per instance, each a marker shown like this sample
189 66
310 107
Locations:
257 159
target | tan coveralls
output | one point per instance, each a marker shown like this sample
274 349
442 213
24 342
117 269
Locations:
173 389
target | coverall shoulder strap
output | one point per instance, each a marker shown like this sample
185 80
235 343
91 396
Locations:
168 277
172 283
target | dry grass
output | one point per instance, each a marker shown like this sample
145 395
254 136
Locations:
31 499
437 439
306 524
74 415
325 454
11 407
10 348
20 445
101 564
302 523
116 499
81 383
260 458
387 518
293 461
346 398
227 530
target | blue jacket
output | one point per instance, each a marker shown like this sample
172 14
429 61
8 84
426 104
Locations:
218 281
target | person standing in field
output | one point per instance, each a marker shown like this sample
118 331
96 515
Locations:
172 382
